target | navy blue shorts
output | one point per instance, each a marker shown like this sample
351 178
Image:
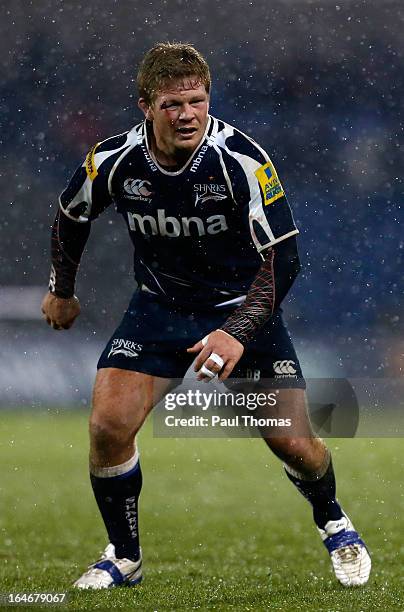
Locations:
153 337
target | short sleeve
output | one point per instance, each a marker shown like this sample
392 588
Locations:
256 188
270 218
87 194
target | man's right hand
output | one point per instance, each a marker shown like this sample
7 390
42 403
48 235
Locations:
60 313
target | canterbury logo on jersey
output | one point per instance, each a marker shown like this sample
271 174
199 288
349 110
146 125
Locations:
173 227
137 189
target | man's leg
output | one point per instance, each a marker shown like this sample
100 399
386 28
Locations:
121 401
308 465
306 458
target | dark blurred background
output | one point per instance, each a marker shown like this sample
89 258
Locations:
320 85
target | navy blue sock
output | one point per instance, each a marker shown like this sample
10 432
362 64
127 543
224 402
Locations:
117 498
321 494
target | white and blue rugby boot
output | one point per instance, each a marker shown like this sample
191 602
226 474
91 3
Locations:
349 555
109 572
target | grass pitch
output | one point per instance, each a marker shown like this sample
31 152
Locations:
221 527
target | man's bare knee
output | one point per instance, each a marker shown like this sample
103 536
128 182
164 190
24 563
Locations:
288 447
109 433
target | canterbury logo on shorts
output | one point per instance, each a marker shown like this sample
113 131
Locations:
285 366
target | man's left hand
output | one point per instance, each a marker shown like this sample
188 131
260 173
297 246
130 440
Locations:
219 346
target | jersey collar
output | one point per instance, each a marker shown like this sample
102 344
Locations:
190 160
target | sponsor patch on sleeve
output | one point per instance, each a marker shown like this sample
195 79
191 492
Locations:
91 168
270 183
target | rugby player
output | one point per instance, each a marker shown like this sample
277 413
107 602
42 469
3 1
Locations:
215 255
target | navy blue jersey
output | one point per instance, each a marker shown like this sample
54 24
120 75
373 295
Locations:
198 231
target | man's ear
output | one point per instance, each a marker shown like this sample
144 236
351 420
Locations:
145 108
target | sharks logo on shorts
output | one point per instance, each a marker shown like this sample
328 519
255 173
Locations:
128 348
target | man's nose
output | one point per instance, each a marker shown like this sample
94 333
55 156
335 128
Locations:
186 112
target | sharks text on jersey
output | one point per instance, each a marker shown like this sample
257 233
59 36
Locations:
211 191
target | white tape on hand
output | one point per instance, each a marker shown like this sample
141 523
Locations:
217 359
204 370
205 340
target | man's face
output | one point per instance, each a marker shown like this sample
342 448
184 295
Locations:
179 114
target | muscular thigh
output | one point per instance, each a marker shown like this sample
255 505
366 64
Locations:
123 398
290 412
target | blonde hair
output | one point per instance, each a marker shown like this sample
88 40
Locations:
167 61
